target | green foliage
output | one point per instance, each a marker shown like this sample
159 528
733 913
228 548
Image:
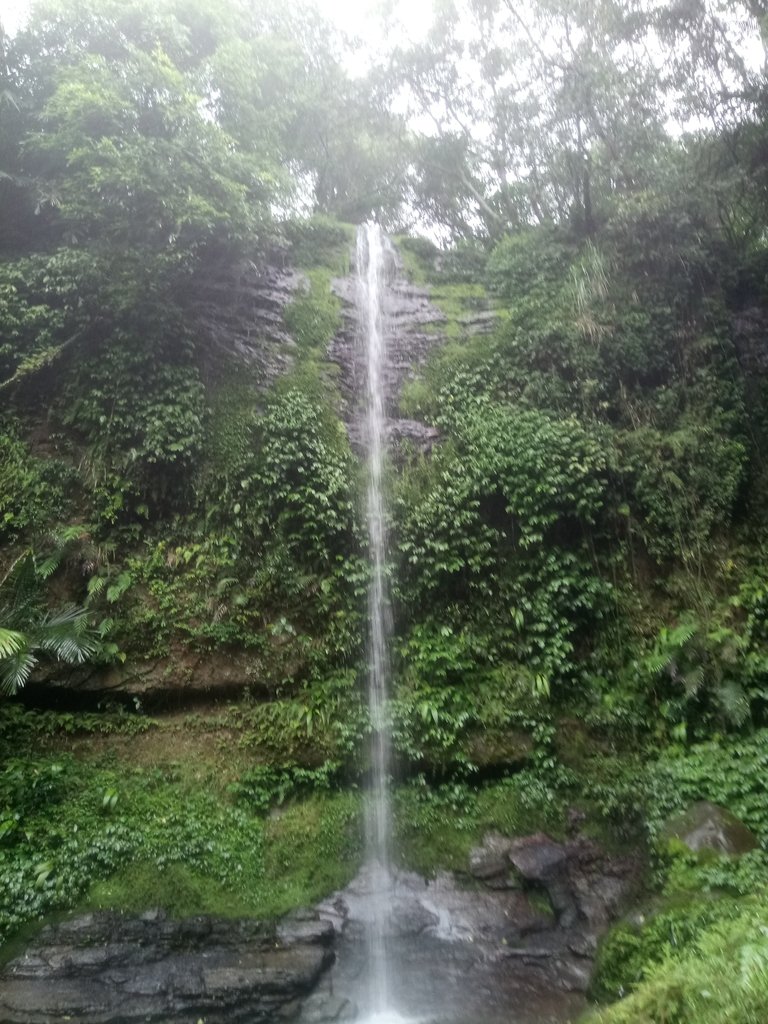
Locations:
731 773
34 492
436 827
265 786
530 264
419 256
314 316
319 242
26 728
497 523
630 951
311 735
302 480
144 424
683 485
462 719
643 794
158 831
680 989
31 630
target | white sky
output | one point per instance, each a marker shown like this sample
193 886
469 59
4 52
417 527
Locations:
12 14
356 17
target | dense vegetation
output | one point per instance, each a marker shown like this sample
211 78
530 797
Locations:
578 568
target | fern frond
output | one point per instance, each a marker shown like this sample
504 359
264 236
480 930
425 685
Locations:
681 634
692 680
733 702
95 585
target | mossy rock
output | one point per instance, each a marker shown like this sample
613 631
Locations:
500 748
705 827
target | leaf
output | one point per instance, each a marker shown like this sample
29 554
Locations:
11 642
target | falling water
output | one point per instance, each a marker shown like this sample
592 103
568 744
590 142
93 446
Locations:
374 257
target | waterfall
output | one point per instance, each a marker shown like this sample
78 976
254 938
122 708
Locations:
374 259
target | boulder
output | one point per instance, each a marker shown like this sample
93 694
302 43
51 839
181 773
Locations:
489 862
706 826
586 887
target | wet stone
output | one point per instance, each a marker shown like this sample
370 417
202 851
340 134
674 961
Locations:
107 968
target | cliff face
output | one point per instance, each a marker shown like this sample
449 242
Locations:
251 345
412 328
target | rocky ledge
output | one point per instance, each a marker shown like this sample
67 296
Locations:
105 968
522 933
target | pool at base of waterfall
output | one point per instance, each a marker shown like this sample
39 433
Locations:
434 981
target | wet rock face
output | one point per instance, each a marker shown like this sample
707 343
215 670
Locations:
241 311
586 888
524 935
105 968
182 678
411 325
705 826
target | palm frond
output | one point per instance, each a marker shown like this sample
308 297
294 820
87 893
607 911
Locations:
15 671
11 642
68 636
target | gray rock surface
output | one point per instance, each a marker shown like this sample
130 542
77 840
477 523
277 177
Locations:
105 968
411 326
523 934
586 888
241 311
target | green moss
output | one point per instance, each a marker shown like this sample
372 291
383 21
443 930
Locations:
418 256
320 242
437 828
111 834
310 849
179 890
314 316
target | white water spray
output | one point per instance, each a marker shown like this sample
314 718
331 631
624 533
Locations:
374 257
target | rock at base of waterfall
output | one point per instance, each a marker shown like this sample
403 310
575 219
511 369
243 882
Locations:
489 863
586 887
105 967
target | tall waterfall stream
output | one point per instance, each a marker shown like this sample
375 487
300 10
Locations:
374 257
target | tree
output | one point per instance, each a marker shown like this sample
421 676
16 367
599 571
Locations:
551 109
